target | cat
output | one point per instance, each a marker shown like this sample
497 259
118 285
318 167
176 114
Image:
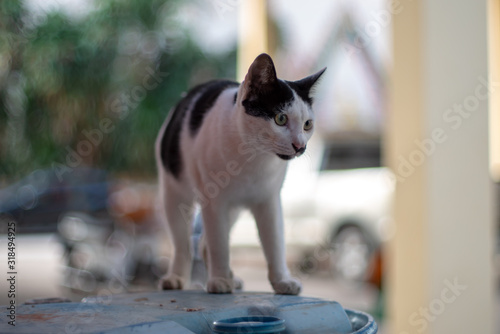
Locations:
226 146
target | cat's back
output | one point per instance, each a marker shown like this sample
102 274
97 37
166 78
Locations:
186 118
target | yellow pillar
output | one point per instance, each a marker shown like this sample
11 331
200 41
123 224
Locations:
440 276
494 64
252 33
407 253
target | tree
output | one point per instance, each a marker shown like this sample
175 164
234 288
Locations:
94 91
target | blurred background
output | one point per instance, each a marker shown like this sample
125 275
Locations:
85 86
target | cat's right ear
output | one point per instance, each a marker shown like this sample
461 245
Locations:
261 77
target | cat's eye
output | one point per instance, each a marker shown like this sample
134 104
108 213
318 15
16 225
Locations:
308 125
281 119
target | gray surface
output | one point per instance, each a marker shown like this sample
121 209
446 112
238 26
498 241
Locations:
176 312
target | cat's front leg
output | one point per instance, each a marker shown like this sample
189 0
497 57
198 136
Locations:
269 218
216 227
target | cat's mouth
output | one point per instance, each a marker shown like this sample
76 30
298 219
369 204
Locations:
285 157
289 157
298 153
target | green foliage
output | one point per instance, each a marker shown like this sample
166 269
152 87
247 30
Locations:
124 66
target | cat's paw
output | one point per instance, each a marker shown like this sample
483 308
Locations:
171 282
289 286
220 285
237 283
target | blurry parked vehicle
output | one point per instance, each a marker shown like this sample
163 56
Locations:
37 202
106 227
113 253
336 203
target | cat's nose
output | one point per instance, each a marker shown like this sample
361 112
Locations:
299 148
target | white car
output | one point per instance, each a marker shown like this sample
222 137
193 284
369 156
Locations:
339 214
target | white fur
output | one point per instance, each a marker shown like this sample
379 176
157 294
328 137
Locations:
229 165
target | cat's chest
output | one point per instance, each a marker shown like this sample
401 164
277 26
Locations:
258 179
242 179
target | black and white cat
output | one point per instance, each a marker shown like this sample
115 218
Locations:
226 147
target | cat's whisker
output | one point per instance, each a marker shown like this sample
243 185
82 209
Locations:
307 157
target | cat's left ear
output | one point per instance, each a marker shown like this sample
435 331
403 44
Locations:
306 85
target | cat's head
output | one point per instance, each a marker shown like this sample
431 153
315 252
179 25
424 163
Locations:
278 114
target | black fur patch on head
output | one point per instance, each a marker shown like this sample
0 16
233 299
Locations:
266 94
210 92
304 86
302 93
268 103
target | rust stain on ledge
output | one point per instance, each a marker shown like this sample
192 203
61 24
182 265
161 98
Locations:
37 316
